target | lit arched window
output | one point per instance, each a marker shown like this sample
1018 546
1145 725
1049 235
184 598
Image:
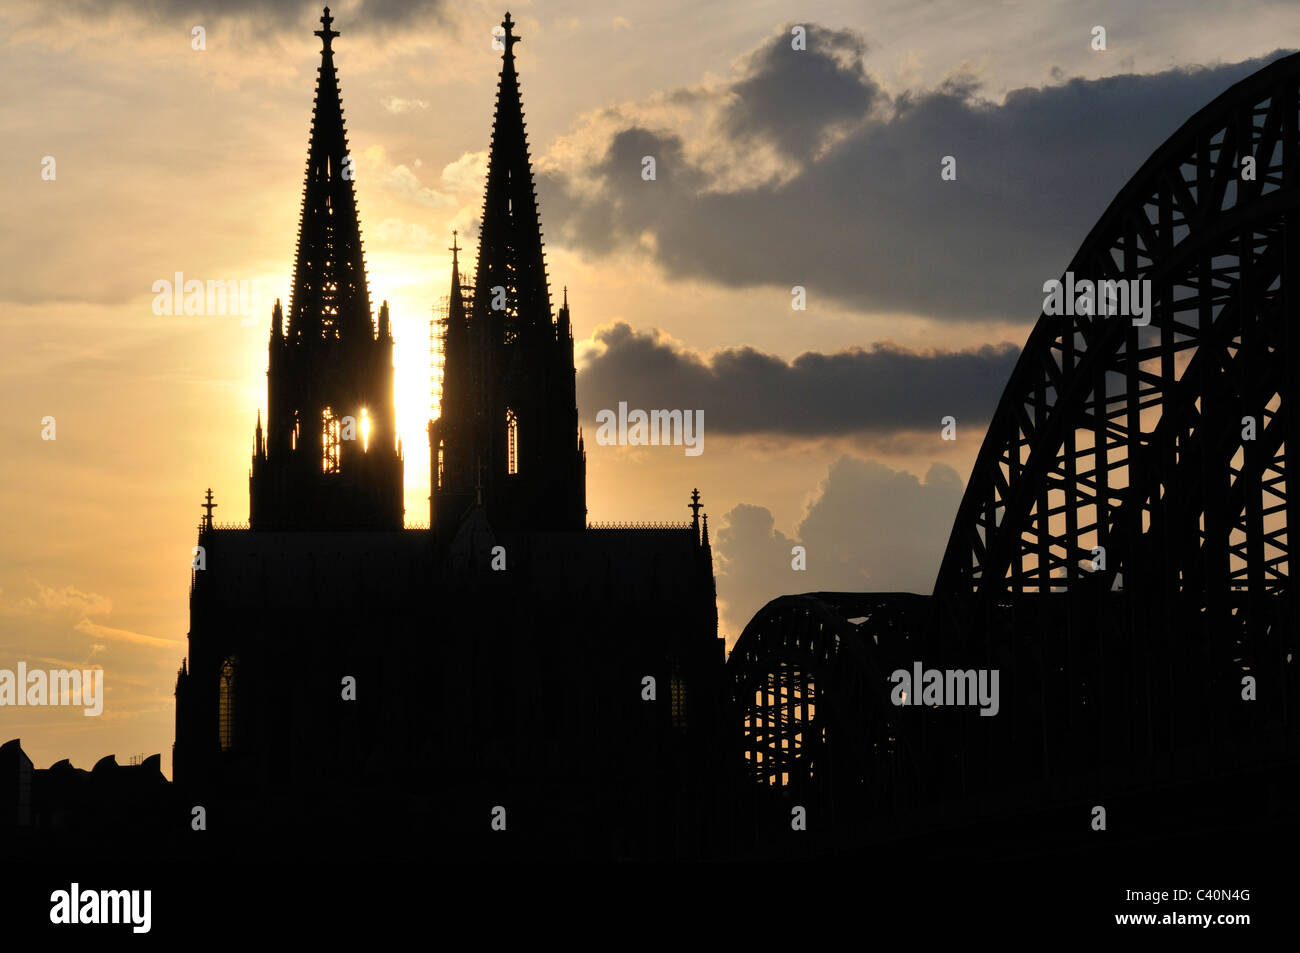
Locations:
226 705
441 464
330 439
512 442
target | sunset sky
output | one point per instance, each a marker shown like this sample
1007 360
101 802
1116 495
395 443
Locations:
775 168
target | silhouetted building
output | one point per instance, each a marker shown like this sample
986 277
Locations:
15 786
507 656
91 813
330 456
507 430
1119 561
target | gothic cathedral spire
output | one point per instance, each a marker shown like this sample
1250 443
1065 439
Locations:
331 459
508 408
510 242
330 293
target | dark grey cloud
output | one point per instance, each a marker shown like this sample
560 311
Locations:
745 391
868 221
368 16
791 98
870 529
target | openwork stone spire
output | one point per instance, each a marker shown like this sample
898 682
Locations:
331 458
507 433
510 243
331 298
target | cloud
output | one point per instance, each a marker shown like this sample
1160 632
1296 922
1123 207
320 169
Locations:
869 529
466 174
793 98
397 106
398 233
123 635
372 15
68 599
855 208
53 626
753 561
406 184
744 391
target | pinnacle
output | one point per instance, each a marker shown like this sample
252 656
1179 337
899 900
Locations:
330 292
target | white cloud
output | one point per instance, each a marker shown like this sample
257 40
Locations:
398 106
466 174
407 184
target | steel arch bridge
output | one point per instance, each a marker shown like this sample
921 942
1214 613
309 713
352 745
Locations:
1122 548
807 668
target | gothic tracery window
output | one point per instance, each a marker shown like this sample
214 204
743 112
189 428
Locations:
330 439
677 688
512 442
226 705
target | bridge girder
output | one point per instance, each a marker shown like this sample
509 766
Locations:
1121 550
1130 438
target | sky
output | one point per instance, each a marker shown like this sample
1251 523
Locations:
142 139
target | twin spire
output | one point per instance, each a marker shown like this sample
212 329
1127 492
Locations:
507 430
510 239
331 297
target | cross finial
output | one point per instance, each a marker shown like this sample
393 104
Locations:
327 34
209 506
454 247
510 38
695 506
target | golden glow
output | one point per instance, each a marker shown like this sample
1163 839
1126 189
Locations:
365 430
331 434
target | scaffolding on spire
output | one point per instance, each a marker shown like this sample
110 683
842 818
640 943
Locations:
439 324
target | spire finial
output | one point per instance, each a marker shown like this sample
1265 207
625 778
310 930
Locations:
209 506
695 506
454 249
510 39
566 296
327 34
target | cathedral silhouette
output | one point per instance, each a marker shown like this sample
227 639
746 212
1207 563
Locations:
509 667
510 682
